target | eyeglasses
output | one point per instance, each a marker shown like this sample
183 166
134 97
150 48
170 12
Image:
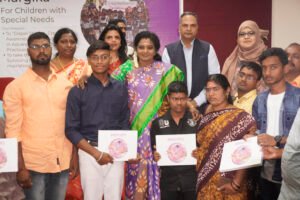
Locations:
179 99
248 77
38 47
294 56
102 58
248 34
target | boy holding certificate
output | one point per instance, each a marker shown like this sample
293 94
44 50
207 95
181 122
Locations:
176 182
101 105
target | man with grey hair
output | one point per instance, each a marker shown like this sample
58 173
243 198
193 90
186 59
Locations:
292 72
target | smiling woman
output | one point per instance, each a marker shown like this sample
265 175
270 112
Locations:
250 44
113 36
147 88
64 62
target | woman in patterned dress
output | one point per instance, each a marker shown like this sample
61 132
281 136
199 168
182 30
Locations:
147 87
222 122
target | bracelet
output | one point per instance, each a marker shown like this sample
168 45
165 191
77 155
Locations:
100 157
236 187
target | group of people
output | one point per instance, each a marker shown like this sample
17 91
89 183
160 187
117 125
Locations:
95 16
57 106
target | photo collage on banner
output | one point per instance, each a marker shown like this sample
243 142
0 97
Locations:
20 18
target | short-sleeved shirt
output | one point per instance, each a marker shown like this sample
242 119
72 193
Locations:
35 114
246 101
175 178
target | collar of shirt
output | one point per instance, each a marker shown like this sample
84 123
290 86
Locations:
94 80
246 96
35 76
185 116
192 44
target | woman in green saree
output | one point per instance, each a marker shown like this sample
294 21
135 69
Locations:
147 87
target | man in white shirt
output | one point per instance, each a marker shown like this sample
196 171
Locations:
196 58
274 112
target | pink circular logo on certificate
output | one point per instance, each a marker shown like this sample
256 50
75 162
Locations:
118 148
241 155
176 152
3 157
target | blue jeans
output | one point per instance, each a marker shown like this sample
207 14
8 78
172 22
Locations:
47 186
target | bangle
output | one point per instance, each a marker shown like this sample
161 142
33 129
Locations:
236 187
100 157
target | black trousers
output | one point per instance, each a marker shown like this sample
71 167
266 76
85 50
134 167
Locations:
178 195
268 189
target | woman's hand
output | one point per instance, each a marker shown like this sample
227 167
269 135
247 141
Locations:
227 188
195 153
156 156
247 136
82 81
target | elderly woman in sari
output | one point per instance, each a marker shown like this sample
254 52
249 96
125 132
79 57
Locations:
147 88
222 122
250 44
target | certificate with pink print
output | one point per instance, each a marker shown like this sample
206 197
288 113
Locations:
176 149
241 154
8 155
121 145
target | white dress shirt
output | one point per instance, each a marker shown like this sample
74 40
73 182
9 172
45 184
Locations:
213 67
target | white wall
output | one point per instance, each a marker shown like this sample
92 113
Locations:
285 22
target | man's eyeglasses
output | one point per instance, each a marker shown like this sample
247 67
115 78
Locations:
102 58
38 47
244 34
248 77
179 99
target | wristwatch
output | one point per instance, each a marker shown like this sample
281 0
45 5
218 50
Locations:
278 140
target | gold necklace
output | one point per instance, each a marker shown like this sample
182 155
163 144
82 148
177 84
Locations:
62 67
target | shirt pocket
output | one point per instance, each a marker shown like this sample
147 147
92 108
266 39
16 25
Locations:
261 122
